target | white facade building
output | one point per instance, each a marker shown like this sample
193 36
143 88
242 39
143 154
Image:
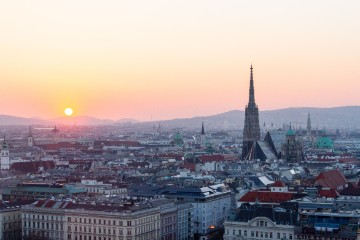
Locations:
258 222
66 220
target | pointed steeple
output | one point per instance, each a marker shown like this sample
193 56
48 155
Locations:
202 129
30 132
251 89
308 125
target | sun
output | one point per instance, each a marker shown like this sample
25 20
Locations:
68 111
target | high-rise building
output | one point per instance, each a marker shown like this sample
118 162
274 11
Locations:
251 132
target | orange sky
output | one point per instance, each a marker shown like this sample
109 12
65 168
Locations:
181 58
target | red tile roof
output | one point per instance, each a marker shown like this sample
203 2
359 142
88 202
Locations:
267 197
333 179
32 167
328 193
212 158
190 166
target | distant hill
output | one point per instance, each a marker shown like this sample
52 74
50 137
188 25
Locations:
6 120
12 120
331 118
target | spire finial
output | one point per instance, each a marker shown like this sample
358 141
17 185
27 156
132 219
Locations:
251 90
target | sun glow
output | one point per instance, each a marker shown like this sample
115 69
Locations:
68 111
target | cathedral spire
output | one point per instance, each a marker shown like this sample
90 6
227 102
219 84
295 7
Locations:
251 89
202 129
251 131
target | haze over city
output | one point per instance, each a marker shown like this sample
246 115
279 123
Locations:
169 59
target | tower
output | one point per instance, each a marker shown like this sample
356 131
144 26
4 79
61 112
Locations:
5 158
251 132
291 150
202 136
30 138
308 125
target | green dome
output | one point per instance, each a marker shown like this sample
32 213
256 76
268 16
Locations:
324 142
290 132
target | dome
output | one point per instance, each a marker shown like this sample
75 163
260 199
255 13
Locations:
324 142
290 132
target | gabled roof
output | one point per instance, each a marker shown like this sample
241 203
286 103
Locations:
331 179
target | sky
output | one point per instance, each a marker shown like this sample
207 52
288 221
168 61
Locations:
165 59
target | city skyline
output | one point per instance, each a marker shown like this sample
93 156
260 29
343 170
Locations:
164 60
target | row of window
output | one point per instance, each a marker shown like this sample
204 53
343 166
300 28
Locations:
138 230
114 222
260 234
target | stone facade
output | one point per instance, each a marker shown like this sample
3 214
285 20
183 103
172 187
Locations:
251 132
66 220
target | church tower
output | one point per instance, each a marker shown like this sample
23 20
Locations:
30 138
251 132
202 136
5 158
308 125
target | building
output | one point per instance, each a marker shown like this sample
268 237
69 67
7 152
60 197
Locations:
202 136
210 204
185 221
30 138
326 225
251 131
332 179
292 150
32 190
169 218
66 220
95 187
10 220
4 156
308 125
261 222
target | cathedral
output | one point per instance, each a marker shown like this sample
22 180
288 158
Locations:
251 132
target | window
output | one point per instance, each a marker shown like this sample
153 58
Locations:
239 232
245 233
128 223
